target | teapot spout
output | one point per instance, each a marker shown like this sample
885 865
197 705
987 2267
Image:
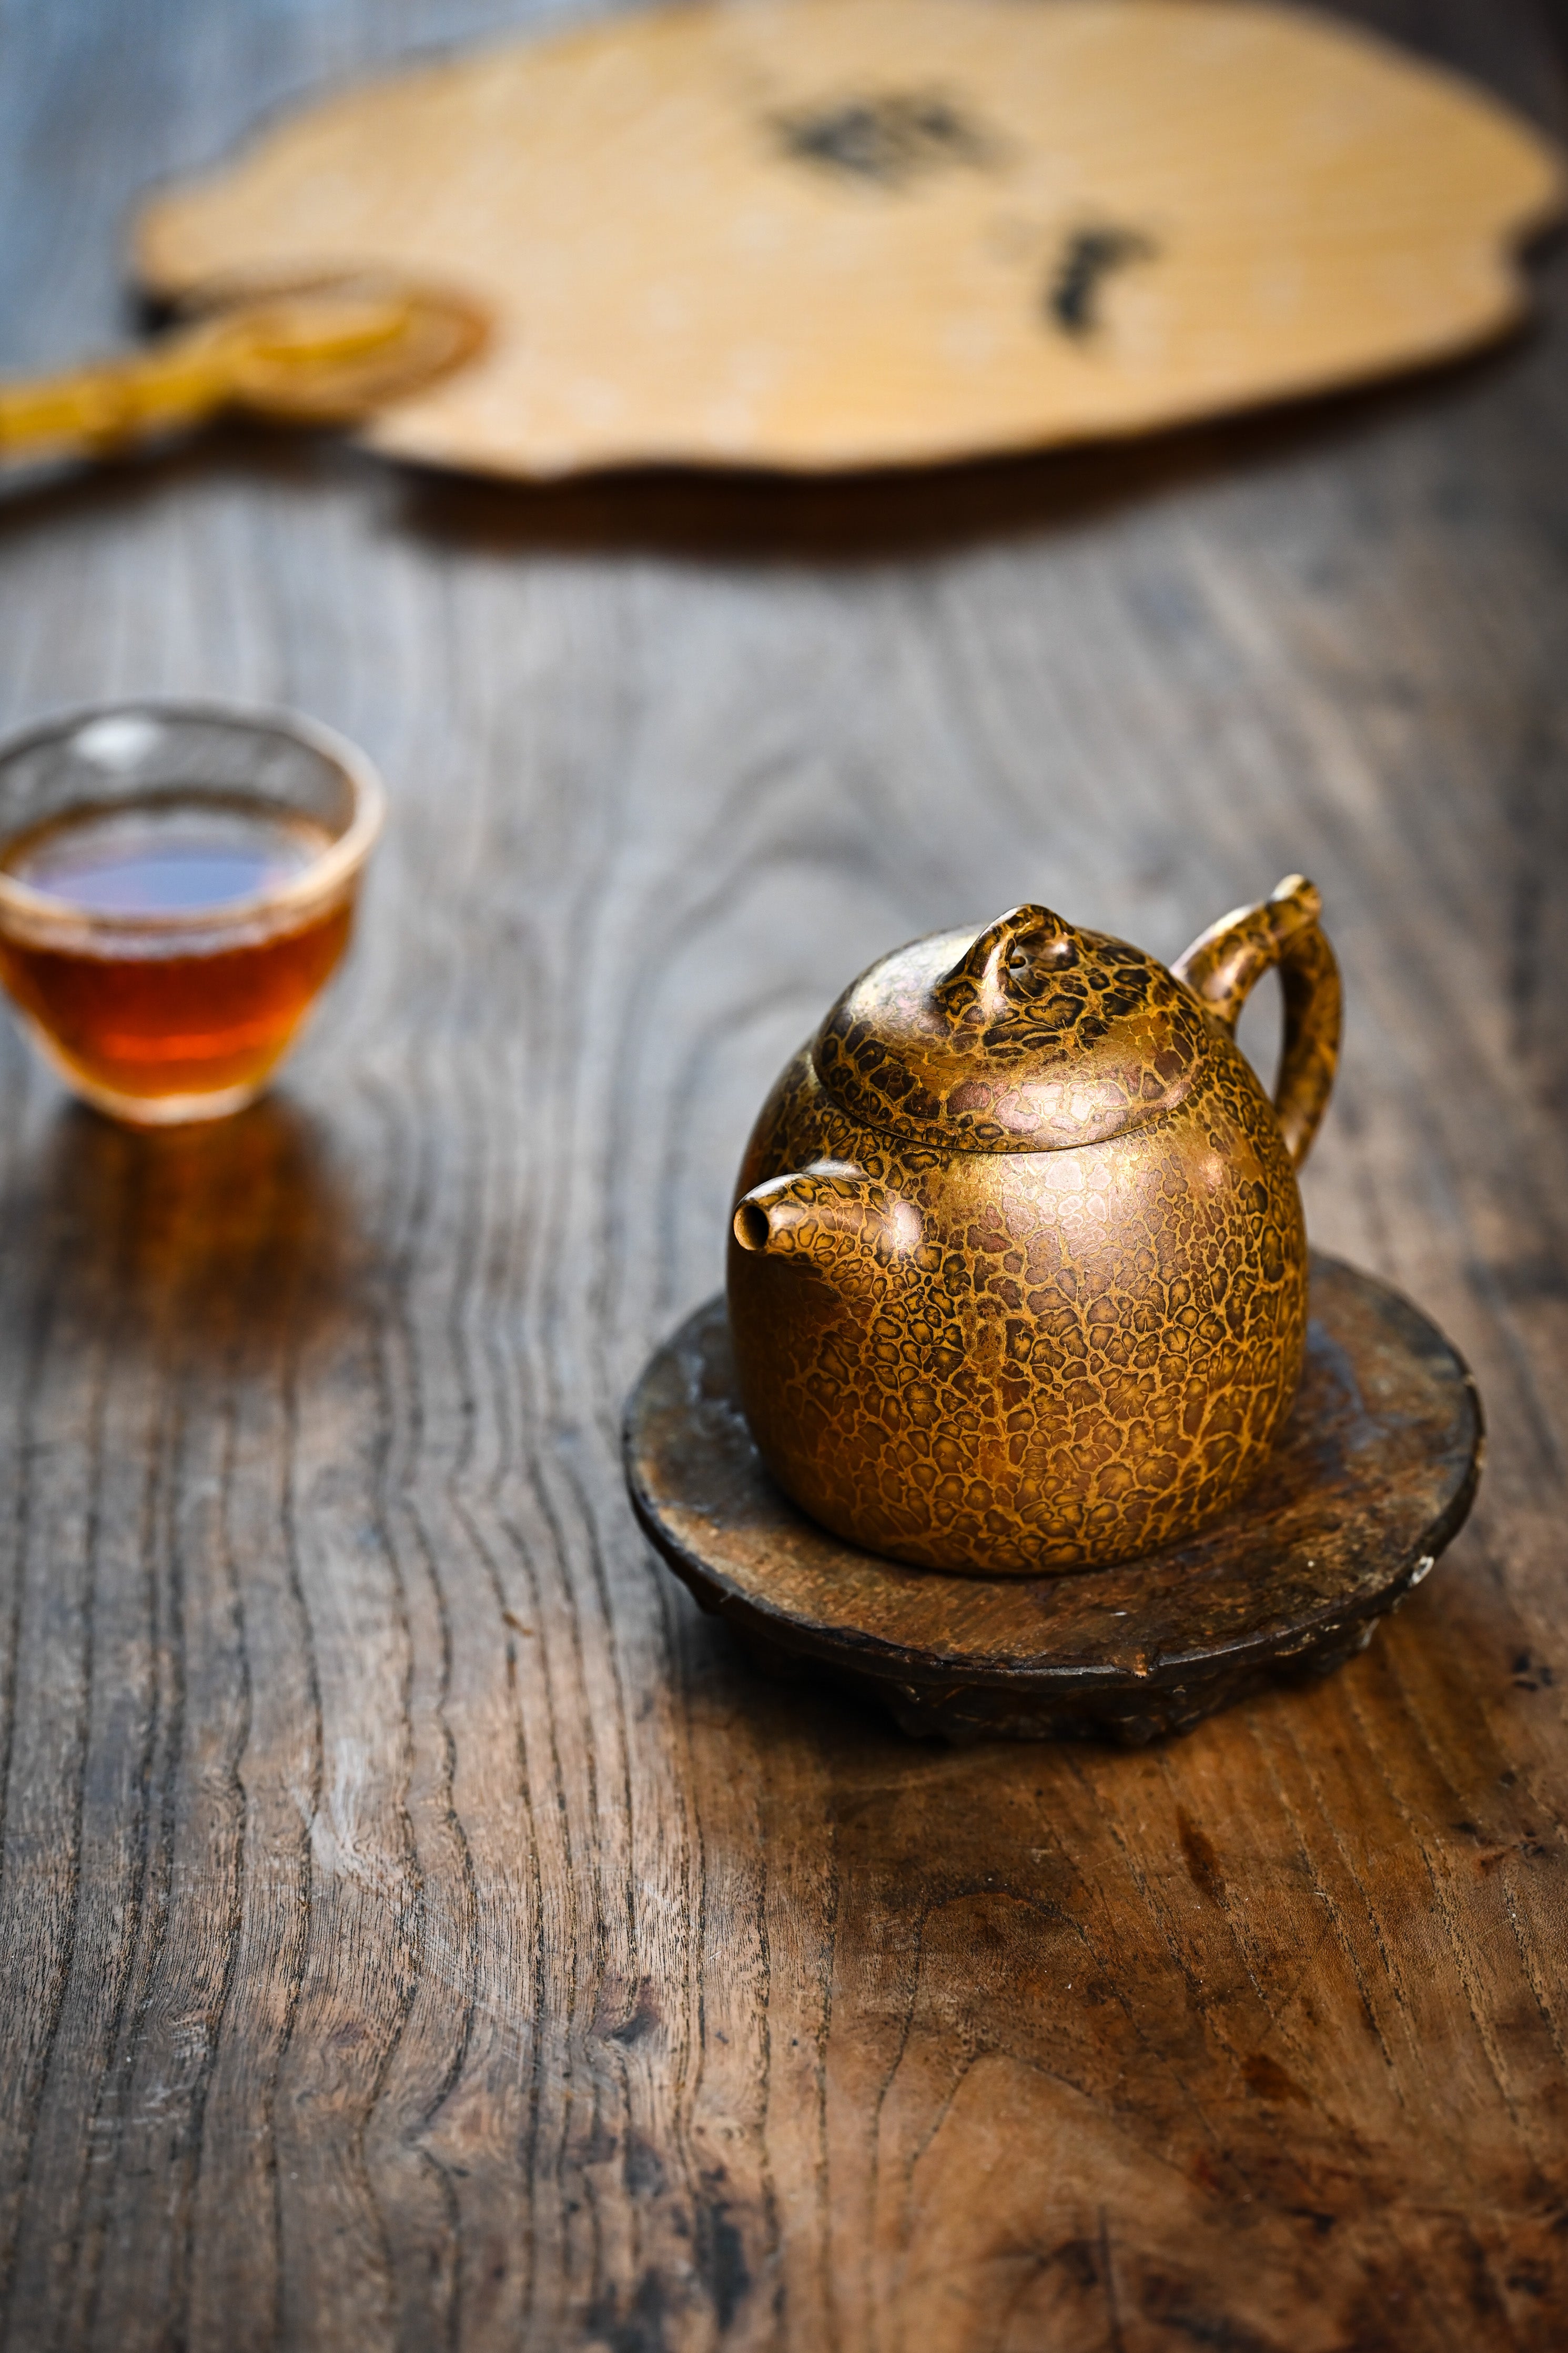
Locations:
831 1216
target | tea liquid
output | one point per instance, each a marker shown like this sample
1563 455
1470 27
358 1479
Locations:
151 1016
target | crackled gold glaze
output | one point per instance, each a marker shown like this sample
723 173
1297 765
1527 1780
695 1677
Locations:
1018 1276
1031 1037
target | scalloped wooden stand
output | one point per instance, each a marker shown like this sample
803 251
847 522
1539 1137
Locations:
1373 1476
824 233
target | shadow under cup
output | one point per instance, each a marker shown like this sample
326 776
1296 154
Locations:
177 882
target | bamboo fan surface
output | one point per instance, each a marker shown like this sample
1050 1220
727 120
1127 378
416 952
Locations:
821 234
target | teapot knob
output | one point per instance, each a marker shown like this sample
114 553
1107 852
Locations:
1012 960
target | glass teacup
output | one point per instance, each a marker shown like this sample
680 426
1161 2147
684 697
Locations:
177 882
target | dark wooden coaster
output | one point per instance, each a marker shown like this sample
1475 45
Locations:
1373 1475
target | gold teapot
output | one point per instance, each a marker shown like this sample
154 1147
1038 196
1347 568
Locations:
1017 1279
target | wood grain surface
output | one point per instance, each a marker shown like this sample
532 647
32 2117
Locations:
420 1928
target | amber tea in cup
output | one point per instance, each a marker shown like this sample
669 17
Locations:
177 882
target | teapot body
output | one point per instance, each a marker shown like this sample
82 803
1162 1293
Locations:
1046 1360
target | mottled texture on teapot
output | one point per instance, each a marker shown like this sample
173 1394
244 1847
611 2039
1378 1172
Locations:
989 1356
1034 1036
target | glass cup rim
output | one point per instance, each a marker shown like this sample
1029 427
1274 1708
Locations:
45 912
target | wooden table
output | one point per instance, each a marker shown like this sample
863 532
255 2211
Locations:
419 1927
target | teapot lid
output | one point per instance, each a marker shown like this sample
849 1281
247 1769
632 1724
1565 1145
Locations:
1032 1037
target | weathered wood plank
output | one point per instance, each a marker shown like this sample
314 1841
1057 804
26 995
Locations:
418 1928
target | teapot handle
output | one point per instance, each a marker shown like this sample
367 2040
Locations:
1224 964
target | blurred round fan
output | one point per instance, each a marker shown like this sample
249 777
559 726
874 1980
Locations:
851 233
